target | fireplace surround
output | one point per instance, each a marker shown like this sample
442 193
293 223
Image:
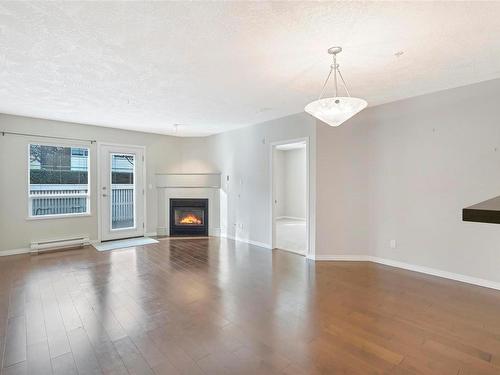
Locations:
188 217
189 186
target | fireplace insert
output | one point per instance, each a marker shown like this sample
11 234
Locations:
188 217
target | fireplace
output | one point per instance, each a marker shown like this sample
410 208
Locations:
188 217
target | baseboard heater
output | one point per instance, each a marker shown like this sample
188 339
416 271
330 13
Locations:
58 244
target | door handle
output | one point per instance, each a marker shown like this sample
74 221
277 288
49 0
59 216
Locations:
105 195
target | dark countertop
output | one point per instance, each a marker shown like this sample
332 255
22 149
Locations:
484 212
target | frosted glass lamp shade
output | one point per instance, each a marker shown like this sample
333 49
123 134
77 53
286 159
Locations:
334 111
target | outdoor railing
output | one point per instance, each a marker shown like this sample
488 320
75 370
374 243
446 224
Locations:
67 199
122 206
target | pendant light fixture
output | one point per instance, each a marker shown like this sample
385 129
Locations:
334 111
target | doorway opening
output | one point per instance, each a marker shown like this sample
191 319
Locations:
290 192
121 191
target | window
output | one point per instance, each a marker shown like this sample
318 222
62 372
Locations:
58 180
122 191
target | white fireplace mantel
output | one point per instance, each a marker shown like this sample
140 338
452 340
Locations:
188 180
188 185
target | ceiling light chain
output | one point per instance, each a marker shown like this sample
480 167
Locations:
336 69
343 83
326 82
334 111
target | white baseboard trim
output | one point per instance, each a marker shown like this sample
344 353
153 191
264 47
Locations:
255 243
291 218
410 267
344 258
440 273
27 250
150 234
22 250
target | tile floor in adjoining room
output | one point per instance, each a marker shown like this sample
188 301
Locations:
291 235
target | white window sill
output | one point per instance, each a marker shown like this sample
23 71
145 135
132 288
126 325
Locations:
62 216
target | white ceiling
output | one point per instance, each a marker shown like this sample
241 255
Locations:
216 66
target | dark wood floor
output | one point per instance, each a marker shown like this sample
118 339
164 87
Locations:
215 307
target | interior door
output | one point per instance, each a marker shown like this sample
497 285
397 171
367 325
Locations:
121 191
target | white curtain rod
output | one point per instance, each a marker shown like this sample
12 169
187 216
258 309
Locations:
4 133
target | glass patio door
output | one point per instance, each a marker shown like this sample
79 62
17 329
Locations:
121 191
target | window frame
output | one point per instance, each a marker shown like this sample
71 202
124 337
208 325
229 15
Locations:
30 197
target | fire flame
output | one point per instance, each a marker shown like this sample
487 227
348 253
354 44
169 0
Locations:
190 219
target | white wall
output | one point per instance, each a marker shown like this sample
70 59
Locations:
164 154
342 188
245 156
290 176
404 171
398 171
279 182
295 183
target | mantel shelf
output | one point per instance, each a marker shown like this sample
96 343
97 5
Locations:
188 180
188 174
484 212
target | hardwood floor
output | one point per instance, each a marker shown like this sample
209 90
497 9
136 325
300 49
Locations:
210 306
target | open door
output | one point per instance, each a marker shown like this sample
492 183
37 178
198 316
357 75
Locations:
121 191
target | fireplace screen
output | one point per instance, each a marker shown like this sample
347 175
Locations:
189 216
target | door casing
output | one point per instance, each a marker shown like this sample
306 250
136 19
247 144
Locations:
103 149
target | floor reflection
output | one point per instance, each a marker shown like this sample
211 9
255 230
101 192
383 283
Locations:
205 306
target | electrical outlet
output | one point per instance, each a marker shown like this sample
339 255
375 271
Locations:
392 244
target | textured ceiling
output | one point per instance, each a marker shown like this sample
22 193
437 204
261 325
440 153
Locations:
216 66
